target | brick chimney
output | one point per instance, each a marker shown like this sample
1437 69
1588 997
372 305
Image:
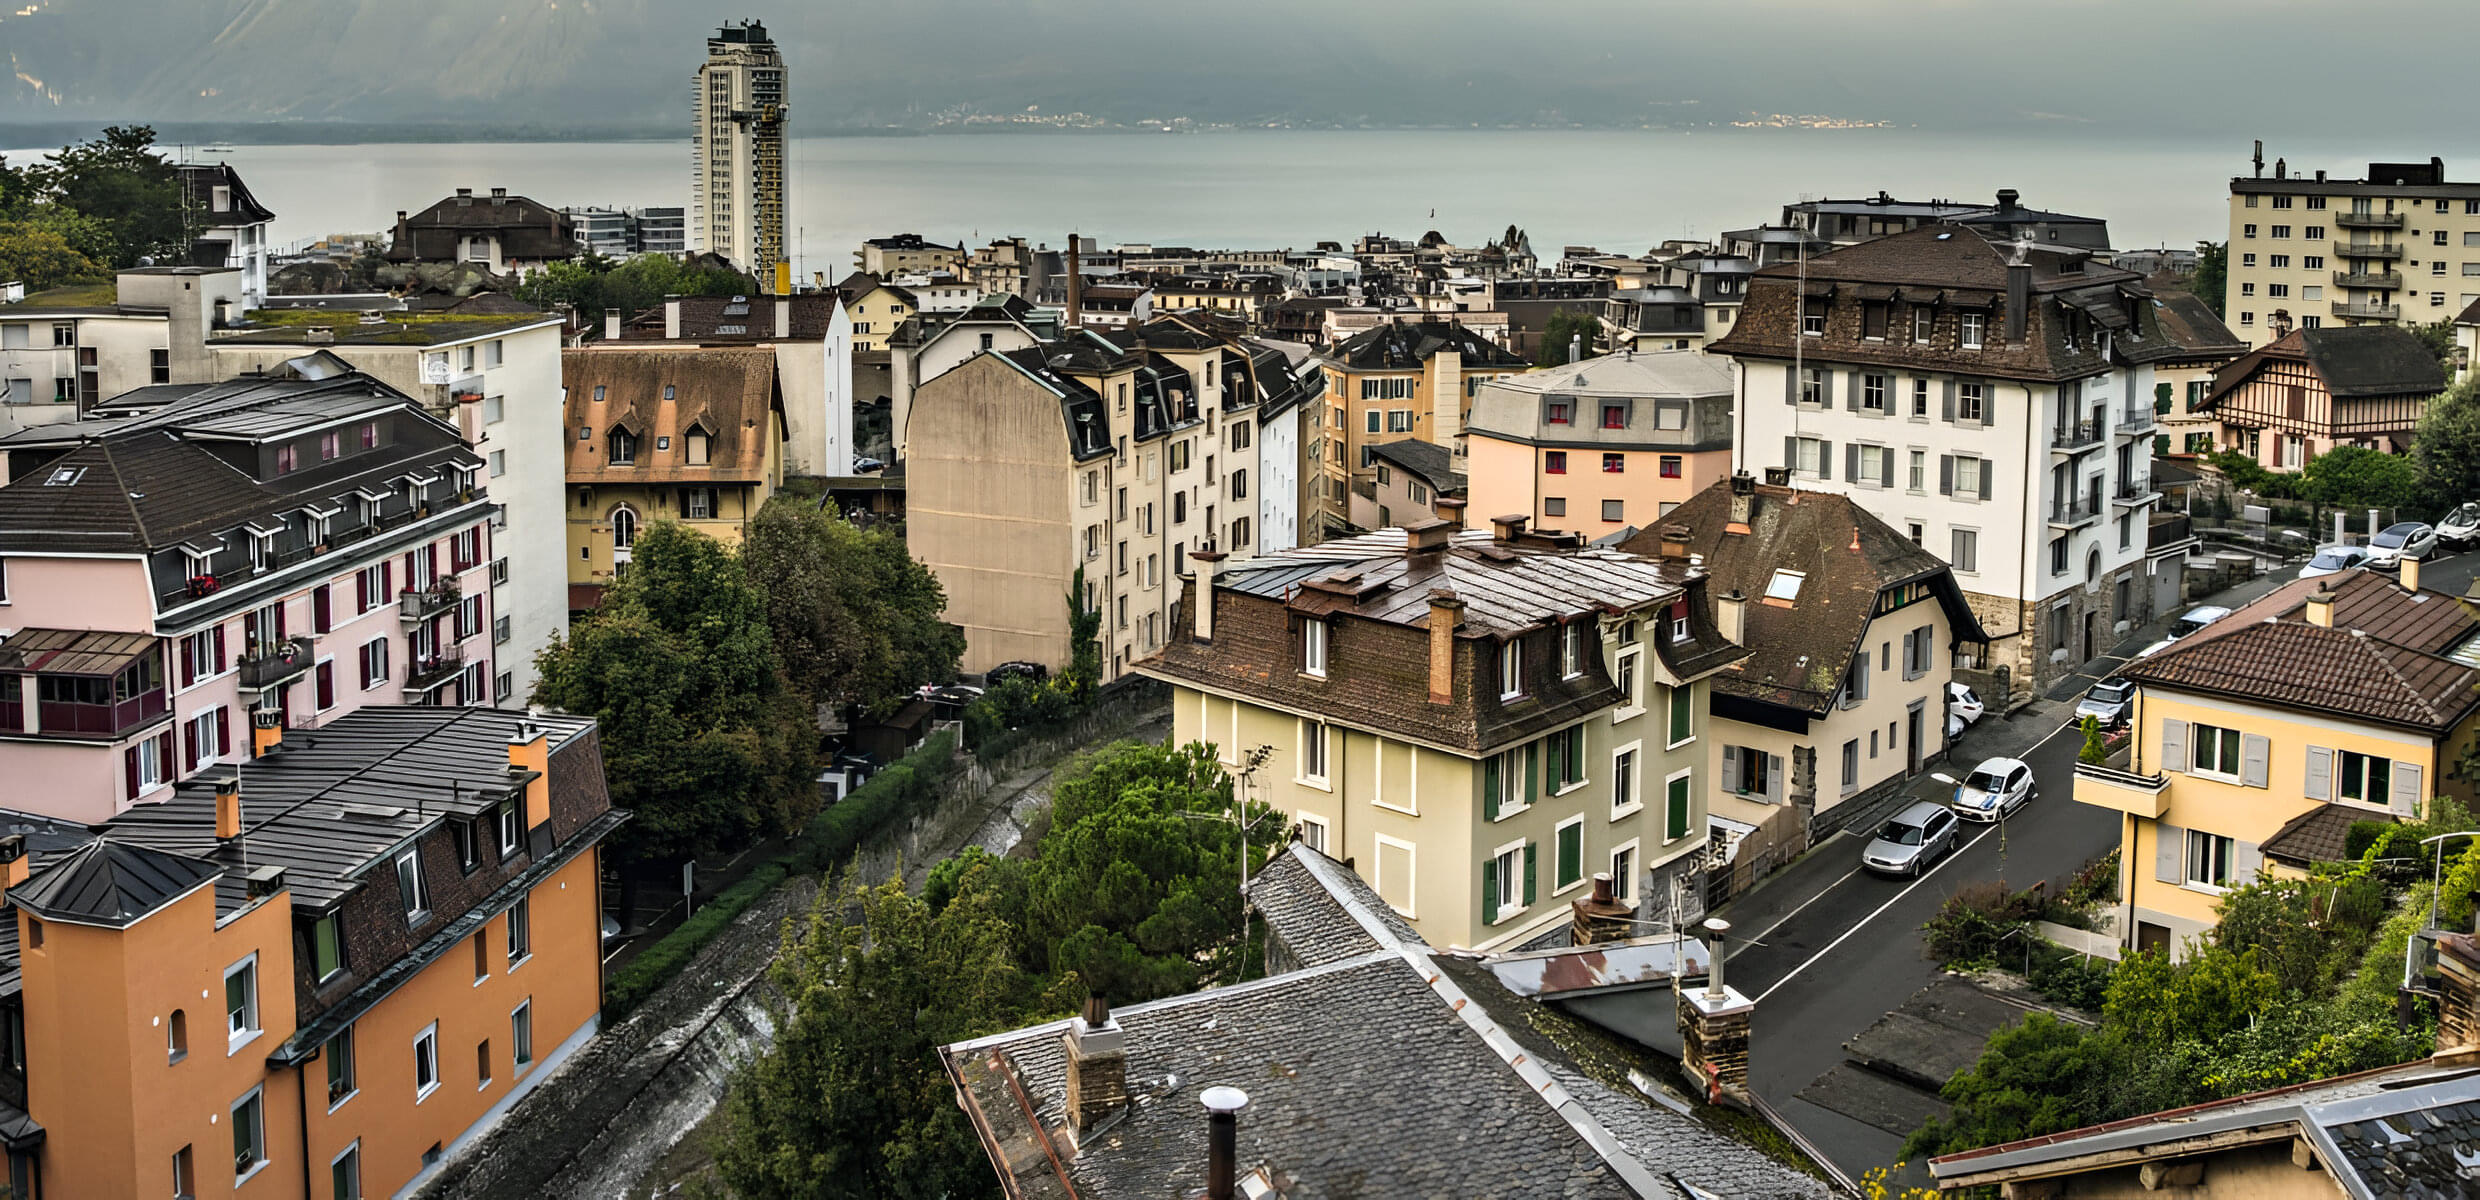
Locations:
1097 1066
2410 573
1446 611
2321 609
529 762
1508 530
1451 510
1731 616
1201 595
1601 916
14 865
227 809
1713 1030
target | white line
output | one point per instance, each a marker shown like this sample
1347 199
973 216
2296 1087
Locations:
1925 877
1758 937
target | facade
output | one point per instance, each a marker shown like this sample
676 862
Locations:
201 560
1478 721
1600 445
1659 317
1852 632
2182 383
693 434
2260 739
500 233
2399 246
2466 340
904 254
811 335
1393 380
399 920
879 310
233 224
621 232
1413 477
736 149
1995 403
2287 402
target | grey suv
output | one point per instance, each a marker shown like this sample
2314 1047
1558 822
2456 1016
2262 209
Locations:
1911 840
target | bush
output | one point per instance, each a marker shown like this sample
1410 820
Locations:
630 985
2096 882
2070 978
1969 926
1016 711
899 792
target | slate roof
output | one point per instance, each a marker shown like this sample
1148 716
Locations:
2353 362
2317 835
1408 345
1799 654
729 392
111 883
744 319
2187 320
198 184
527 229
1320 919
1381 1070
1433 463
1509 407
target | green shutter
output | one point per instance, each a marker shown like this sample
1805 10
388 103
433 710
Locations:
1678 822
1680 723
1532 772
1489 788
1489 891
1528 873
1571 855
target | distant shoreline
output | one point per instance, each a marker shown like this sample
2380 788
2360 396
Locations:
285 133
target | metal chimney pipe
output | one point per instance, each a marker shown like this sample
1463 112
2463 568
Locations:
1715 928
1223 1105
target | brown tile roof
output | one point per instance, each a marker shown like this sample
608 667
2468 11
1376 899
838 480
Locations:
2427 621
731 393
2187 320
2293 664
2318 834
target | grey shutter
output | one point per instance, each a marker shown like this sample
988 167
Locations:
1730 768
1910 638
2169 844
1946 474
2406 799
1791 385
1949 400
1825 459
1988 476
2173 745
1774 780
2320 773
1825 388
1851 461
1885 466
2254 750
1791 454
1851 390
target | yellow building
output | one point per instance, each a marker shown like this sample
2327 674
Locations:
2399 246
1478 722
2260 740
878 309
693 434
1395 380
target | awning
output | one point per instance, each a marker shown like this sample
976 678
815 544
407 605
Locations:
73 651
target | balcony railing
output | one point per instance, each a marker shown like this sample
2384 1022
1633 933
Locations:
2367 250
2380 280
427 603
2068 516
66 718
2131 491
2077 435
2168 529
2135 420
285 660
2146 796
2367 312
2368 220
430 672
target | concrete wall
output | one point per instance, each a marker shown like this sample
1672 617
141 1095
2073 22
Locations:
992 509
1279 472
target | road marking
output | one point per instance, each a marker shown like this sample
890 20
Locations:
1759 937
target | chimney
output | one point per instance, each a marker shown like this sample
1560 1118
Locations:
464 197
1675 540
1201 594
1451 510
1426 538
2281 168
1713 1030
2321 609
14 866
266 733
1097 1065
1731 615
1778 477
2260 158
671 318
2410 573
1743 502
1223 1105
2458 1001
499 196
1601 916
2018 299
1076 288
1507 530
265 881
1446 611
2007 198
227 809
529 765
611 324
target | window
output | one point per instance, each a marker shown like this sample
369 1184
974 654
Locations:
1554 462
1399 420
1554 506
241 1002
249 1136
1920 398
521 1035
2312 262
1812 318
623 528
482 1064
1374 418
1312 752
1919 475
1675 807
2208 859
1851 766
1567 855
1672 466
520 931
1313 648
1975 325
1565 752
1971 476
184 1174
1623 872
2279 291
1873 393
176 1037
426 1062
1924 319
1972 402
286 460
1873 320
1571 650
2365 778
1623 783
1627 681
345 1173
409 886
1614 510
341 1081
698 504
1812 385
2248 230
2281 231
326 947
1808 456
374 655
1559 412
623 448
1614 416
1614 464
1510 669
1683 714
1785 585
2214 751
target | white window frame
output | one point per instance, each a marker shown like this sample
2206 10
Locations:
2238 749
1571 650
1511 669
1785 576
421 906
234 1040
354 1152
429 1034
1689 774
1308 821
2229 848
1670 695
1582 876
521 1038
257 1096
511 829
520 916
1623 884
1312 647
1510 899
1627 769
1311 739
1627 672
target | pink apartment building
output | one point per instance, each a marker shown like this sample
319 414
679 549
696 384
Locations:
192 566
1601 445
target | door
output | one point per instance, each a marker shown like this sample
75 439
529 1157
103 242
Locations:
2088 637
1911 738
2151 938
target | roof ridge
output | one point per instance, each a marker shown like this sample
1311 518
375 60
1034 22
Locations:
120 488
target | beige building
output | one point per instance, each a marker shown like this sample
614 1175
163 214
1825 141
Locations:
1393 380
1852 632
1478 722
905 253
1601 445
2182 384
736 148
2400 246
878 309
1413 478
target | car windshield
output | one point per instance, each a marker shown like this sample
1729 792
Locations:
2332 558
2111 693
1900 834
1984 781
2468 514
2391 537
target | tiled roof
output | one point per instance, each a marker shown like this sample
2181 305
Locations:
2428 621
729 392
1408 345
2294 664
1379 1070
111 883
747 318
526 228
2317 835
2187 320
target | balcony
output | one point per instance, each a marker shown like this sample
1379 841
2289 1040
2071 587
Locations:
432 671
2146 796
2381 280
277 665
77 719
417 606
2077 435
2368 220
2133 491
2070 516
2169 530
2135 421
2366 250
2367 312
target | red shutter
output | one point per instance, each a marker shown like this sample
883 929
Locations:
219 649
189 745
129 760
282 632
433 551
223 730
189 664
327 684
387 583
163 747
365 656
321 618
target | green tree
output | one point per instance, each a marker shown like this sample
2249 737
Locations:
2096 748
1084 640
593 283
2031 1079
700 737
2156 1002
2212 273
2358 477
2307 934
2438 336
1561 330
856 618
2445 456
119 181
40 257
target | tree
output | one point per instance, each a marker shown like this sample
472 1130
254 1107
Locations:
2445 456
2308 934
2096 749
1561 330
2031 1079
2358 477
2438 336
1084 640
120 182
2212 273
700 737
593 283
856 618
40 257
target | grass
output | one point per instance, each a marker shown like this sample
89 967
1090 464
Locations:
75 295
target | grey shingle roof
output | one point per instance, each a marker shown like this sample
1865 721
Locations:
111 883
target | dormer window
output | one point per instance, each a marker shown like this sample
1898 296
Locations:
1510 669
1679 620
1975 328
1313 648
697 446
1812 318
1571 650
623 446
1560 413
286 460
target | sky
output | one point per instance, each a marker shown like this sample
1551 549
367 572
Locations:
2133 68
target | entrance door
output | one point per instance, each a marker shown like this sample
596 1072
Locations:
2088 637
2153 938
1911 738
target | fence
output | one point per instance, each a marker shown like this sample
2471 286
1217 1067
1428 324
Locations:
1778 839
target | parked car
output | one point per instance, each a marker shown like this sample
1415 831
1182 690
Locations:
2461 528
2400 540
2196 618
1015 670
2155 648
2334 560
2109 702
1963 707
1911 840
1995 788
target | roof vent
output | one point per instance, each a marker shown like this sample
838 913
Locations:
371 812
266 881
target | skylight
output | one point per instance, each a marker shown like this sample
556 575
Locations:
65 477
1784 586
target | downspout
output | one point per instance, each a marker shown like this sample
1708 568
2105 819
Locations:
2023 626
301 1104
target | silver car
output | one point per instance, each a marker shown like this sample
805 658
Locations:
1911 840
2401 540
2109 702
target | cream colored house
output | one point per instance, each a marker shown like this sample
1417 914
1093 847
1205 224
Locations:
1393 381
1478 722
2400 246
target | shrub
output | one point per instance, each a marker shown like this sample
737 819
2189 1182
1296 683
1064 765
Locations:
2070 978
630 985
2096 882
900 792
1969 926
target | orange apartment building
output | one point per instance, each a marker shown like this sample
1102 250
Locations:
1603 444
395 920
1396 380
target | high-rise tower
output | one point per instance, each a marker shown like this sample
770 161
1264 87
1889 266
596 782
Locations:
736 172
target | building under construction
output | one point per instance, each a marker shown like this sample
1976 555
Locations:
736 148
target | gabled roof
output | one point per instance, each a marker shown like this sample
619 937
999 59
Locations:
1433 463
527 229
2292 664
1409 345
2353 362
729 392
198 184
746 318
111 883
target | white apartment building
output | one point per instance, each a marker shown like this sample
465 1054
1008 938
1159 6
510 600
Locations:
1992 401
736 149
2401 245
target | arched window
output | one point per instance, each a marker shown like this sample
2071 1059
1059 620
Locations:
2092 567
176 1036
623 447
623 527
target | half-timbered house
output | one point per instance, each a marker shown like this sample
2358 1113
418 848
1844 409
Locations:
2287 402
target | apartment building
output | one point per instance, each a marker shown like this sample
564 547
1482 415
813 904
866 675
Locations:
2262 738
2182 382
233 226
1851 222
693 434
736 149
399 918
1852 632
811 336
1601 445
2399 245
1992 401
903 254
622 232
196 561
1395 379
500 233
1557 731
2316 389
879 310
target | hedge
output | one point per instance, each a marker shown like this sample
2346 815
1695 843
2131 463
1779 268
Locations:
630 985
905 789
